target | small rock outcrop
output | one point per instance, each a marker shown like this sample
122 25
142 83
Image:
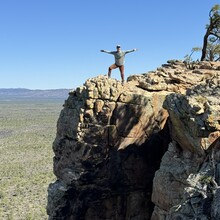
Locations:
145 150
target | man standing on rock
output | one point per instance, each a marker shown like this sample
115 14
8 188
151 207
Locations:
119 60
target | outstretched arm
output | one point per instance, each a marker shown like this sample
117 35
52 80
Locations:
106 51
129 51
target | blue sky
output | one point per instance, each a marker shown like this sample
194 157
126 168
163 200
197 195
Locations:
49 44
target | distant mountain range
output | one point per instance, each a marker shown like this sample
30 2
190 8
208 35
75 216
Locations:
28 93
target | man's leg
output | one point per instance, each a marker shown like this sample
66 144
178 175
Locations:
122 68
113 66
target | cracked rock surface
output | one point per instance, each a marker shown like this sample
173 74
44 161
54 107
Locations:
148 149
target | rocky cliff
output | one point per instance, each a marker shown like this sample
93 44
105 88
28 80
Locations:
146 150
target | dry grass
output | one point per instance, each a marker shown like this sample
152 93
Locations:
27 130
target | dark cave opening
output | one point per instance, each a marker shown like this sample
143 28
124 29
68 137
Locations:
138 167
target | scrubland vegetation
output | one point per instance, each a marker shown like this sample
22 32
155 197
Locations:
27 131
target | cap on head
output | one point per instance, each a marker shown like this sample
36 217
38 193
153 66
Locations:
118 46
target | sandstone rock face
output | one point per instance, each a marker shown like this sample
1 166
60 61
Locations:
186 185
145 150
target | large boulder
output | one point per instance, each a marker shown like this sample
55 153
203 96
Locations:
187 184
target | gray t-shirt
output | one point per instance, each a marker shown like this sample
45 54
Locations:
119 56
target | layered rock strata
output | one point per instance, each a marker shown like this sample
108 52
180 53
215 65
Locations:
145 150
